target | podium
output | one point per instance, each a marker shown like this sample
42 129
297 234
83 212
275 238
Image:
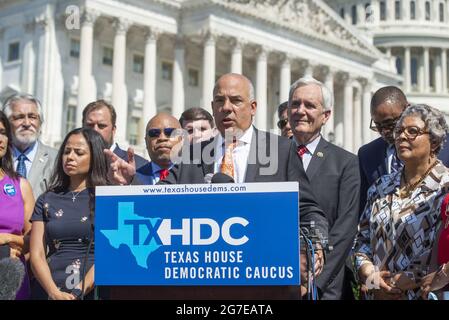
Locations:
198 242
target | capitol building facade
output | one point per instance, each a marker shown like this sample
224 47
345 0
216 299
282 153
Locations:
147 56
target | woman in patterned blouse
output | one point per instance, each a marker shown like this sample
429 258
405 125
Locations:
401 219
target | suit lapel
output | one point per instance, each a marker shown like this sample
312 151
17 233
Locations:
253 165
318 158
209 167
38 164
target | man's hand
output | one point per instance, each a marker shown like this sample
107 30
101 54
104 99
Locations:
378 282
121 172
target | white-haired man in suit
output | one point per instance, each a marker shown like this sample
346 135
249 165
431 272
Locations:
32 159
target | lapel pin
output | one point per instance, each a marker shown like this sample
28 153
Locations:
41 159
319 154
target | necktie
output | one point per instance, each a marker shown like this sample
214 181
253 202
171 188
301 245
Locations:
227 163
163 173
396 163
302 149
21 167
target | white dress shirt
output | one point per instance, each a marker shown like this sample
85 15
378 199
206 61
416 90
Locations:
239 154
311 147
30 154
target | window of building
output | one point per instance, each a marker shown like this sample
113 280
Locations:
428 10
70 120
342 13
414 71
412 10
354 14
133 134
193 78
399 65
397 10
167 71
441 11
13 51
74 48
383 11
138 63
368 12
108 55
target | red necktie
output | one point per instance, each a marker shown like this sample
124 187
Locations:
302 149
163 173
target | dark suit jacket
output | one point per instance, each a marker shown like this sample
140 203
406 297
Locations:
140 162
335 181
372 162
289 169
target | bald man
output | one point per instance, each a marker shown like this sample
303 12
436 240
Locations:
162 138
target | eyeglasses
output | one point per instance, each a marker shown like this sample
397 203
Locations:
156 132
282 123
411 132
386 125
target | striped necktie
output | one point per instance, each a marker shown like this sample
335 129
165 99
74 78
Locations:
21 167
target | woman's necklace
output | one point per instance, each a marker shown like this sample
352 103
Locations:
74 195
406 190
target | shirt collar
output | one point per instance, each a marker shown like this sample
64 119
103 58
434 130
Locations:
155 168
30 152
312 145
245 138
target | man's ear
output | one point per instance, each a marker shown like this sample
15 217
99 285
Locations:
253 106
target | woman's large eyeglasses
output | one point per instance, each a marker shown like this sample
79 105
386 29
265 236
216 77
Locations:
387 125
411 132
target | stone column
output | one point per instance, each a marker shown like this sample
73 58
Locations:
2 58
261 89
444 68
407 70
29 59
375 11
390 10
329 83
149 79
405 7
237 57
421 77
208 70
426 69
86 82
285 79
438 74
119 90
348 112
357 119
178 89
366 110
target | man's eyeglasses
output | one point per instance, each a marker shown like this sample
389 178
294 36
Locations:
156 132
386 125
411 132
282 123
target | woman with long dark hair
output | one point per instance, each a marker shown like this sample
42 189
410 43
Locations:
63 219
17 203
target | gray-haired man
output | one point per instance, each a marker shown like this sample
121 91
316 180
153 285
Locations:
333 174
32 159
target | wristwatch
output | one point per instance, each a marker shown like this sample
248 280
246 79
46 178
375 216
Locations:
77 293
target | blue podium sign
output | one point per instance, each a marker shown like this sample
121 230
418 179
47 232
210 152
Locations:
211 234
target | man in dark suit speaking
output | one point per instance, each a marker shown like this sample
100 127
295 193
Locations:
240 151
333 174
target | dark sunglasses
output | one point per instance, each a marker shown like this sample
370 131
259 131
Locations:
282 123
387 125
155 132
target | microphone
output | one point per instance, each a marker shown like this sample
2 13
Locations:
221 178
12 272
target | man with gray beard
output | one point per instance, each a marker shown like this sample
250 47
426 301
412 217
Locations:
32 159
